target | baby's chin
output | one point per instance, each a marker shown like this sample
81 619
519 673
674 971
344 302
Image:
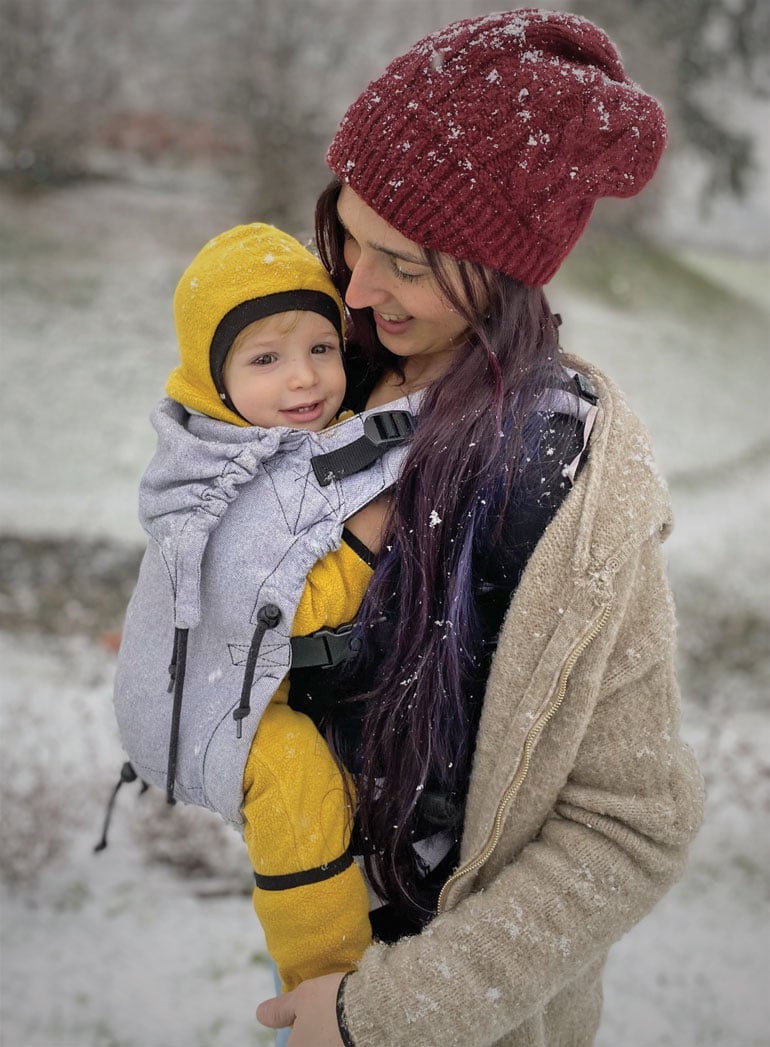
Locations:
314 424
311 427
324 423
319 426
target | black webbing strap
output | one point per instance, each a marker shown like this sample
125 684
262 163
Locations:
286 881
382 431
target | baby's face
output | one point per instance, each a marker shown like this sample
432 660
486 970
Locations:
286 370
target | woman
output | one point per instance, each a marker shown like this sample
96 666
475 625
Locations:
512 721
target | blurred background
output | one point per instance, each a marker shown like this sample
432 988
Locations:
130 134
254 89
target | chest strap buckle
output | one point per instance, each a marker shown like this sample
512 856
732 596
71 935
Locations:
324 648
382 430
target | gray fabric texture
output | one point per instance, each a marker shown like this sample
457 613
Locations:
235 520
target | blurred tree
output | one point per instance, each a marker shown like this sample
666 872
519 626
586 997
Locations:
256 87
727 41
705 54
283 54
57 78
295 66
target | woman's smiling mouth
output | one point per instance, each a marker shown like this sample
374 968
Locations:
391 323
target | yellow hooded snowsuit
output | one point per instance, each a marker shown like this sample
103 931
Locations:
297 805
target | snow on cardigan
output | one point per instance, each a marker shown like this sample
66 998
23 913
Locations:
236 518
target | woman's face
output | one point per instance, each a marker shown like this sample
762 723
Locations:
389 275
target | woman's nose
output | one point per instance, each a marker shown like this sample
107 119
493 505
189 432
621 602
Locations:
364 289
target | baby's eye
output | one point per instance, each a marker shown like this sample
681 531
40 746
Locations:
322 348
264 359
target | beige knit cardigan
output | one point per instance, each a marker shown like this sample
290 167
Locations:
583 798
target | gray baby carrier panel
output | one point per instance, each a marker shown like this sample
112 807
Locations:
236 517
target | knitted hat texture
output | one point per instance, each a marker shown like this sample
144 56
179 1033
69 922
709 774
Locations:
491 139
242 275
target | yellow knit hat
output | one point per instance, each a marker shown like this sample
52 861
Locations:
242 275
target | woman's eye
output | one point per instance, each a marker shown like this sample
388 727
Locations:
404 274
350 250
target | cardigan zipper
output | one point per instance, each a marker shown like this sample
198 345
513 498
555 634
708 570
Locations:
522 770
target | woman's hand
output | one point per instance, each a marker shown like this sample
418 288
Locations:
311 1008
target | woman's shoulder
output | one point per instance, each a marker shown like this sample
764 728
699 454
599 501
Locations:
620 433
624 495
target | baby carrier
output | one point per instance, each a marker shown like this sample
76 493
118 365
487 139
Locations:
236 517
240 515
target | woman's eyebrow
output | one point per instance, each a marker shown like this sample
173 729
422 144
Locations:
405 256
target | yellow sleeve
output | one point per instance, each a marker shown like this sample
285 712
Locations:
333 593
298 807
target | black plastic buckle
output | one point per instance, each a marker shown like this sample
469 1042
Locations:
324 648
389 428
586 388
382 431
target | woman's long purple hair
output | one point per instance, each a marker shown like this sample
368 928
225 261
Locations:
477 423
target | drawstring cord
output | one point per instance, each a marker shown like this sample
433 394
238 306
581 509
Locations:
176 672
267 618
173 662
127 775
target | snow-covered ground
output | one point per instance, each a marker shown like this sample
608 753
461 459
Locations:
152 943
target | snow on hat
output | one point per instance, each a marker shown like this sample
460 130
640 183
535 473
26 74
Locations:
492 139
242 275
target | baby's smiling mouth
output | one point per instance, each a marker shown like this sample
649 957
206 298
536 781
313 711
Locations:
303 408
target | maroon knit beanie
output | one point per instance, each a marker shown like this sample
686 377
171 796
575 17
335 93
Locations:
492 139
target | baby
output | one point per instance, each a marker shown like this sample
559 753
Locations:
275 359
